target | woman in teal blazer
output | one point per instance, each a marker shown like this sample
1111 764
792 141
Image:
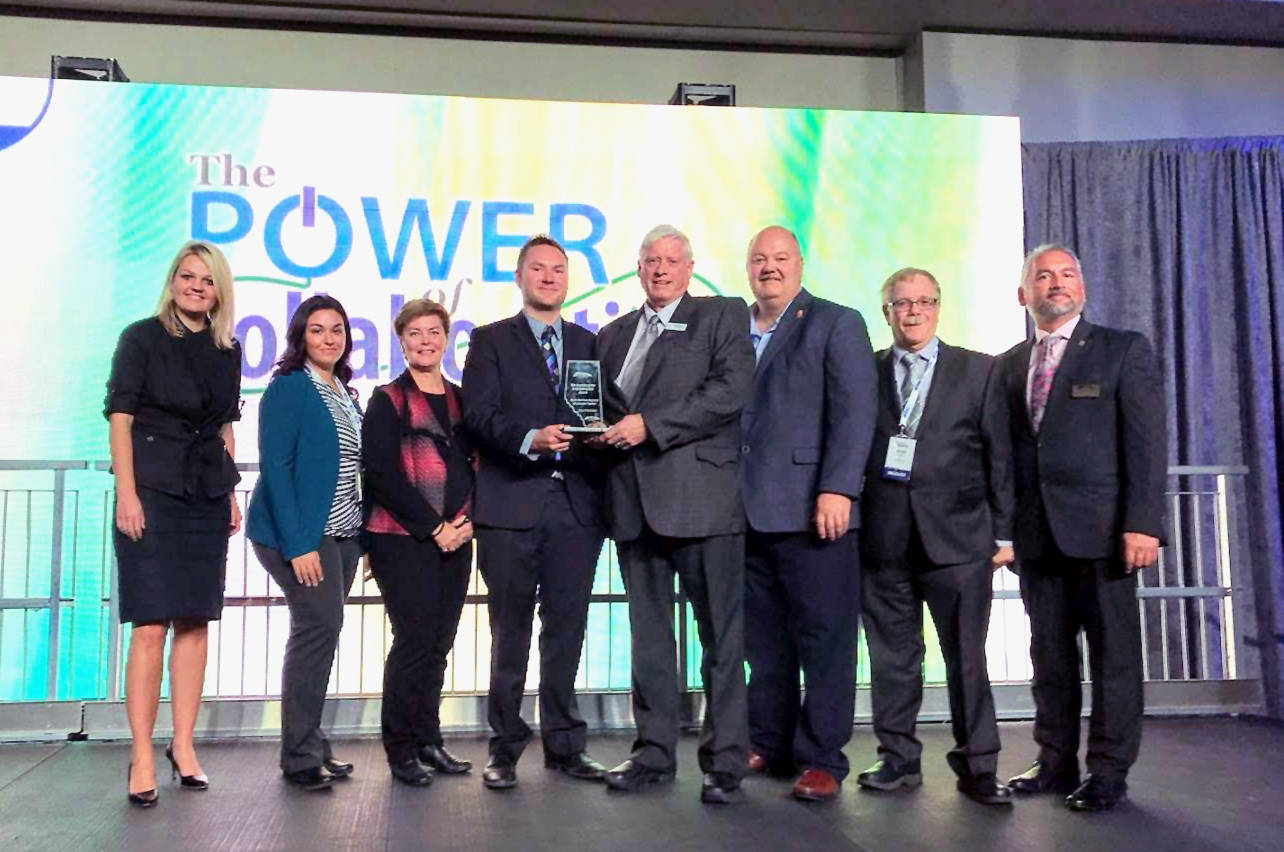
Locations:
304 520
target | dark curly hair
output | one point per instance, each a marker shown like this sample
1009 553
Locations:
296 352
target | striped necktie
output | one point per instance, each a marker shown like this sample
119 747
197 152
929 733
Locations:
550 358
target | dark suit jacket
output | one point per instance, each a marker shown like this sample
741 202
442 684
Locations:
809 424
959 495
507 392
684 480
1098 466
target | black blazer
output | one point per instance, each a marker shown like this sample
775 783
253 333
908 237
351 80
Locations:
181 391
811 419
959 495
507 392
684 480
1098 466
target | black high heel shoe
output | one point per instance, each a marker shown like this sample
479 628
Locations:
145 799
189 782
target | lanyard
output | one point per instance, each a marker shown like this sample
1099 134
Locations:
910 401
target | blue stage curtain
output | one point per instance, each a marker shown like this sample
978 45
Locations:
1184 240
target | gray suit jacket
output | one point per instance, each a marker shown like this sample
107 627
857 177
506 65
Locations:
809 425
684 480
959 495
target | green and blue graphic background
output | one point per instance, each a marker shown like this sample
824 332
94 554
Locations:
101 183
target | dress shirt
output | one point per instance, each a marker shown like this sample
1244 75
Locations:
537 329
762 339
1064 331
666 316
930 351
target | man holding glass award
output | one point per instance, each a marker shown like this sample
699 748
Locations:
537 510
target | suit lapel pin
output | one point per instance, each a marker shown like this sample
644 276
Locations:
799 314
1083 342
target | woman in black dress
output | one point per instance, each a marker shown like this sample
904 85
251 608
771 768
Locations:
173 393
419 483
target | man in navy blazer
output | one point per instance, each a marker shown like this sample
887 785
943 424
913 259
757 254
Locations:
805 436
537 510
1089 455
934 530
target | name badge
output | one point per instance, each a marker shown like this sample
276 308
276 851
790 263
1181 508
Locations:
900 458
1085 391
676 326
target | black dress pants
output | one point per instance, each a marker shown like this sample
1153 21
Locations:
959 598
423 593
316 617
802 599
711 573
1063 596
551 564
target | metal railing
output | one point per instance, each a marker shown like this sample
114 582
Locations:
59 618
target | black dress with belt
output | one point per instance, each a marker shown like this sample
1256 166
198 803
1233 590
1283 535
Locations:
181 391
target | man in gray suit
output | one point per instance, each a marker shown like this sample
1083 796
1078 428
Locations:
676 373
937 522
805 438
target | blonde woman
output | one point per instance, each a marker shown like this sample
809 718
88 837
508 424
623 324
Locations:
173 393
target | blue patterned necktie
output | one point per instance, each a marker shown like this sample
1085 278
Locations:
550 358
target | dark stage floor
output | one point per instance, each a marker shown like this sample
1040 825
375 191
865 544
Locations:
1201 784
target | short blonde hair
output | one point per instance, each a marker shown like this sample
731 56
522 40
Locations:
223 316
416 308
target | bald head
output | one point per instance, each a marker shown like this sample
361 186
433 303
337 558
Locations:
774 265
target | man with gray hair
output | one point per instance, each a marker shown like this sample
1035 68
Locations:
1089 457
937 523
677 372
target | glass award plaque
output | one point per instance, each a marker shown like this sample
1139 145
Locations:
584 395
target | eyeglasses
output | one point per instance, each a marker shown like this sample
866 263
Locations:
924 303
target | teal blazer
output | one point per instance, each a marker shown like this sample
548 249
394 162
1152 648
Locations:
298 468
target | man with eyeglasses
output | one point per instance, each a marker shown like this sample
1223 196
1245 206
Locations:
804 440
937 522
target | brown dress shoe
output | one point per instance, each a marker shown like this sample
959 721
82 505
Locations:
756 762
815 785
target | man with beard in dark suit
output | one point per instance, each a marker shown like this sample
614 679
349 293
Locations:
677 372
1089 455
937 523
537 511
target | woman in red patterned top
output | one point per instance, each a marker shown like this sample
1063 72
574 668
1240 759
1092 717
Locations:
418 466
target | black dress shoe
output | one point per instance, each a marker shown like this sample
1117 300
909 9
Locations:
1042 778
312 779
985 789
187 782
719 788
338 768
883 776
578 765
1097 794
411 772
499 774
143 798
629 777
443 761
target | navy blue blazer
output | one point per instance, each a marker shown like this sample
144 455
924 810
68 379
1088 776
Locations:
298 467
507 392
809 425
1098 465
